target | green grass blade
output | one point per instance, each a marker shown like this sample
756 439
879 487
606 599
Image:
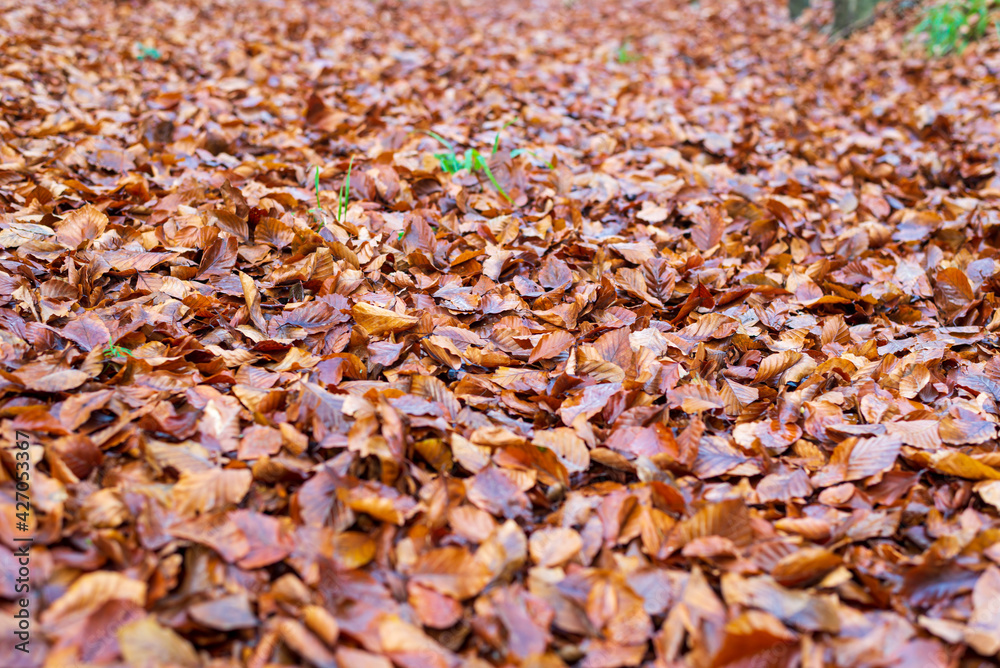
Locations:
449 161
489 174
496 141
114 350
521 151
440 139
318 205
345 192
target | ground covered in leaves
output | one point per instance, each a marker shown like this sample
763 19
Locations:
710 380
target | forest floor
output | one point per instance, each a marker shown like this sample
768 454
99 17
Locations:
692 363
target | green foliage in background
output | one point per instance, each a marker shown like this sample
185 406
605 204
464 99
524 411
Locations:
951 26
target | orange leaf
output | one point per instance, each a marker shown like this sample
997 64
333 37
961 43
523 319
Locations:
452 571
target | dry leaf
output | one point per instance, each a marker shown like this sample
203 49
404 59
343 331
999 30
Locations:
377 320
451 571
81 226
290 384
147 643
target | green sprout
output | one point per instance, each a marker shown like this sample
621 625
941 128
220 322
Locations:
517 151
625 55
481 164
473 161
521 151
496 141
345 192
114 350
342 196
319 207
449 161
146 52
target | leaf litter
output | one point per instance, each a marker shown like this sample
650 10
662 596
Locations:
694 362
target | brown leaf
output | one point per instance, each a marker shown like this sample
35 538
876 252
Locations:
304 643
379 501
270 541
231 223
88 331
252 297
218 259
983 631
434 610
273 232
80 227
554 547
772 365
217 532
89 592
952 290
519 380
809 612
727 519
966 432
50 376
321 622
805 567
451 571
211 490
957 464
147 643
227 613
708 227
652 212
377 320
551 345
754 638
855 459
567 446
494 492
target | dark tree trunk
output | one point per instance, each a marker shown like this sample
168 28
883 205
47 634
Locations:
796 7
847 14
